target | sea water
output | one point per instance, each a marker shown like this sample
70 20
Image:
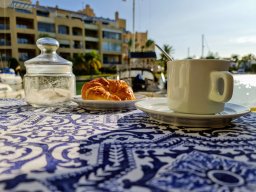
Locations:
244 90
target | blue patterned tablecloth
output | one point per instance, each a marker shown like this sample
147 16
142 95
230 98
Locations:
73 149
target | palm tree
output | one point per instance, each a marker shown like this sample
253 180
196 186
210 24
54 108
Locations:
246 61
212 55
235 58
149 43
79 64
93 62
129 44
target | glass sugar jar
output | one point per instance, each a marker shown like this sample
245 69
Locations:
49 79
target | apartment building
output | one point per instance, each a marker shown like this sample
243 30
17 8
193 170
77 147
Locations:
22 23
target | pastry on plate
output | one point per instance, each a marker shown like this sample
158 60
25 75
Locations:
107 89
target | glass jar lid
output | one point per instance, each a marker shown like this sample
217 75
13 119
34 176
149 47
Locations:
49 60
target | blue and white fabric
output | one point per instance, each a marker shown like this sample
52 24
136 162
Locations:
72 149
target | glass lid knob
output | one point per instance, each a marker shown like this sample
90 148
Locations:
47 44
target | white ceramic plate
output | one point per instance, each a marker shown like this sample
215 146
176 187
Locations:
104 105
157 109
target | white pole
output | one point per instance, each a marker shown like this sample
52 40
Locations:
133 26
202 45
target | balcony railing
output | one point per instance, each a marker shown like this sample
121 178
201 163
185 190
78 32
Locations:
5 43
78 46
4 27
23 11
111 62
24 41
64 46
22 26
5 57
93 39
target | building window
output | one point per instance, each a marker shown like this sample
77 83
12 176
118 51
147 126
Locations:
112 59
25 38
4 23
4 26
62 29
78 45
89 22
5 39
23 41
42 13
23 11
111 35
46 27
77 31
91 45
26 54
108 46
91 33
5 55
23 23
3 42
64 44
23 56
21 26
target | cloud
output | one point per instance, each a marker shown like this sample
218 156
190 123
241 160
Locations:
244 40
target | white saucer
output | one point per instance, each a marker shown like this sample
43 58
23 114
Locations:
107 105
157 108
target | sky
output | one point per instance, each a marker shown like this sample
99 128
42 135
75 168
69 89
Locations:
228 26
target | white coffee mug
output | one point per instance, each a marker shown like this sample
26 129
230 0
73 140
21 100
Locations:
198 86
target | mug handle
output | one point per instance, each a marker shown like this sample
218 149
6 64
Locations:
227 78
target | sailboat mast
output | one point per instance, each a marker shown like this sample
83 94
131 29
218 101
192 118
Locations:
202 46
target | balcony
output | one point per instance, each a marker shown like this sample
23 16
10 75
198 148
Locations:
93 39
25 54
4 23
64 46
111 35
43 13
90 24
77 45
5 39
5 54
112 59
111 47
25 38
23 23
64 43
4 27
46 27
77 31
4 42
91 33
22 7
23 11
92 45
63 29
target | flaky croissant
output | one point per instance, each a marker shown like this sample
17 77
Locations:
105 89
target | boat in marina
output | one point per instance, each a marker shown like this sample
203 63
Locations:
143 80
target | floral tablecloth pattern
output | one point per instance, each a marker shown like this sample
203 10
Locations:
69 148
